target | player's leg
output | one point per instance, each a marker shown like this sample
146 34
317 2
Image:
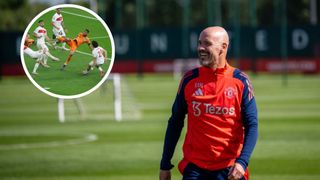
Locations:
65 64
46 51
89 68
64 39
45 59
51 56
60 37
69 57
41 60
102 72
99 64
54 39
30 53
36 66
40 56
35 55
63 34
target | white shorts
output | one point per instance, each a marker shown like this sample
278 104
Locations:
58 33
99 62
42 46
33 54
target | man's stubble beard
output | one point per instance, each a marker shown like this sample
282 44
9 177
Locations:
208 62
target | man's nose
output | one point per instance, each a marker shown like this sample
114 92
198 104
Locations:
200 47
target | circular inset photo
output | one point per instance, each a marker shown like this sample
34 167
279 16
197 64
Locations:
67 51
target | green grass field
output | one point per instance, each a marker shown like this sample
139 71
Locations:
34 145
71 81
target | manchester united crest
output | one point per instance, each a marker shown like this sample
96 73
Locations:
230 92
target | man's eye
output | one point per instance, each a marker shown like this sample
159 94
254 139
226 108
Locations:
208 43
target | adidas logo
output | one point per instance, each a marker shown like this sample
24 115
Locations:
198 92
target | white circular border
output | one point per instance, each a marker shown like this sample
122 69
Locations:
77 95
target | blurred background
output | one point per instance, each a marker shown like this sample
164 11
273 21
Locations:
150 36
276 42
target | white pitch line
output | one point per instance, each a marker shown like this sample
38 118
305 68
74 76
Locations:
86 138
88 17
99 37
80 52
88 54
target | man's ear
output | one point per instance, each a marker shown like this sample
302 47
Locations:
225 46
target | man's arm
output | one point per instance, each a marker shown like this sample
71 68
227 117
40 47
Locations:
174 128
250 121
64 27
90 45
104 53
48 39
175 125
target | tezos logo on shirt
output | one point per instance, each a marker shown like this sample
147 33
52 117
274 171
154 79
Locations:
208 108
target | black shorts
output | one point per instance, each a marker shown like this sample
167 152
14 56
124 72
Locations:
193 172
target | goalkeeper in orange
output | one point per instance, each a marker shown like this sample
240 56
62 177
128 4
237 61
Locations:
74 44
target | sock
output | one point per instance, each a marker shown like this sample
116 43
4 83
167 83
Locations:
40 58
35 67
100 69
45 59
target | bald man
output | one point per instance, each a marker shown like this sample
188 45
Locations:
222 116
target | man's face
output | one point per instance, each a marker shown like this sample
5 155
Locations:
58 10
85 33
209 50
41 24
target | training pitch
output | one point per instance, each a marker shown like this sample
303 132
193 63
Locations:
34 145
71 81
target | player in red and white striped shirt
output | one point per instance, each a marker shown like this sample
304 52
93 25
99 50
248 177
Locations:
38 55
99 55
58 27
41 34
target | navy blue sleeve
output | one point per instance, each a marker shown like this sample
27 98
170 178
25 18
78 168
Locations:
250 120
175 123
174 128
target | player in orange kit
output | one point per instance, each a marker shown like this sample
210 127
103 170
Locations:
222 116
74 44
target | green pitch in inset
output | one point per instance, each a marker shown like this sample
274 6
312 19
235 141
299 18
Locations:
67 51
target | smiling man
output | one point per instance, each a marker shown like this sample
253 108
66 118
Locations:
222 116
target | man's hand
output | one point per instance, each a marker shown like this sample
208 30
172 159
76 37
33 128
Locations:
236 172
165 175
